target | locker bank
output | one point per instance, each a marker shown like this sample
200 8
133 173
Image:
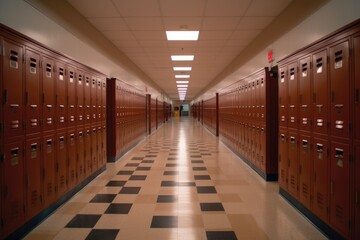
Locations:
90 147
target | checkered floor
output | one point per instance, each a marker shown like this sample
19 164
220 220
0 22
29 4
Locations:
180 183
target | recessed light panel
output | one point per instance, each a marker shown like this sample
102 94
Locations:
182 76
182 86
182 68
182 82
182 57
182 35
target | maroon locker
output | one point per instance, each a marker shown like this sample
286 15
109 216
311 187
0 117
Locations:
94 149
61 163
33 179
293 96
357 86
262 148
357 191
72 158
99 147
60 97
340 89
262 101
103 143
71 97
320 181
103 101
283 159
305 170
13 197
283 97
32 92
340 187
87 99
48 82
320 92
93 100
293 168
87 155
99 100
80 111
80 164
305 103
12 89
49 169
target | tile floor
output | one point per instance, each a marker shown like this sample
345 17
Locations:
179 183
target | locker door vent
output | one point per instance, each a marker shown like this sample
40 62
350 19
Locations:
34 197
14 57
339 213
319 65
33 65
338 59
320 200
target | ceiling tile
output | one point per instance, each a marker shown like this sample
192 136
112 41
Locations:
254 22
144 23
119 35
109 24
245 34
137 8
183 8
226 7
220 23
215 35
153 43
266 8
95 8
150 35
177 23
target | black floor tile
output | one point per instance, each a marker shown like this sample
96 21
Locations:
195 156
153 152
149 156
138 177
211 207
202 177
167 198
103 234
83 221
103 198
169 183
197 161
132 164
164 222
186 184
147 161
125 172
199 168
115 183
130 190
206 189
173 154
171 165
205 154
171 172
118 208
143 168
137 158
172 158
220 235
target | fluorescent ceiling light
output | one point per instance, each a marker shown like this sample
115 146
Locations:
182 86
182 89
182 68
182 76
181 82
182 35
182 57
182 92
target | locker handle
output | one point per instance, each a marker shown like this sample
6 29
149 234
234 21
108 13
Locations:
49 106
304 143
339 153
14 152
339 106
320 148
33 106
14 105
292 140
61 106
71 106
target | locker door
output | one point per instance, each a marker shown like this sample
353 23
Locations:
60 98
49 169
305 170
103 101
13 197
71 97
103 144
87 99
283 97
320 92
357 191
340 90
33 179
32 92
340 187
262 149
293 164
293 96
88 165
48 81
94 149
93 100
283 159
99 147
80 83
72 159
12 89
321 178
305 94
99 100
262 99
80 146
357 86
61 163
